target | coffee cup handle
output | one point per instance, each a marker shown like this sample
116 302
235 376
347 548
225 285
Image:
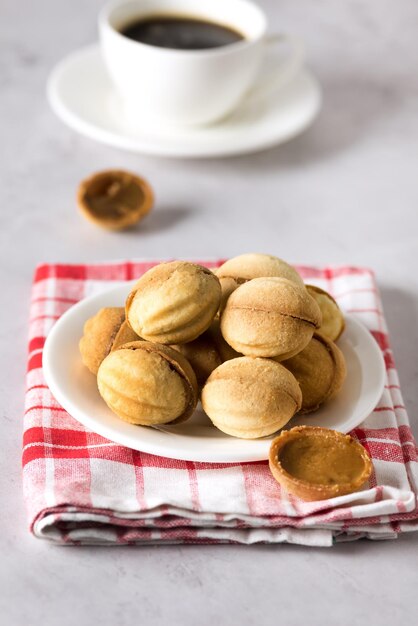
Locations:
286 69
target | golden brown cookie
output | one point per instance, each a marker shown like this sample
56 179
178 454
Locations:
173 302
207 352
333 322
115 199
248 266
270 317
99 335
317 463
148 384
244 267
320 371
251 398
228 285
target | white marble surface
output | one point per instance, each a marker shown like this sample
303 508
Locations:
345 192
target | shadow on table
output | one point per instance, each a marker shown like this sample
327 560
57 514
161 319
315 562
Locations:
161 218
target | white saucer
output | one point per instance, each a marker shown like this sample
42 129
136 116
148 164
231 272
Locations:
197 439
82 95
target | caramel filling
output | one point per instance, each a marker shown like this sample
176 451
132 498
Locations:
322 461
112 197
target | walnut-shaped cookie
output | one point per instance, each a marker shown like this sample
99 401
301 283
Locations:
270 317
245 267
173 302
320 371
102 333
148 384
333 322
251 398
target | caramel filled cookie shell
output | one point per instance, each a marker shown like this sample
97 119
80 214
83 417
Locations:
115 199
248 266
317 463
148 384
251 398
333 322
320 371
270 317
244 267
99 334
173 302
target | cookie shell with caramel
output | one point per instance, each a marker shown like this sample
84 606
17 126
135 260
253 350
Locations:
270 317
333 322
115 199
320 371
148 384
316 463
173 302
251 398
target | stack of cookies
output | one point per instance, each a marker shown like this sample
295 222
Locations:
254 342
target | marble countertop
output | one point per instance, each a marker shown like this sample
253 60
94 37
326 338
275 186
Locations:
344 192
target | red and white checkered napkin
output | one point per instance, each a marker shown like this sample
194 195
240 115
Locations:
82 488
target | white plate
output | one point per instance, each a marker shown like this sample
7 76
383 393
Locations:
81 94
197 440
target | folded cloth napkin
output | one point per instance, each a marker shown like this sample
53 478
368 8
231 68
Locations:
83 489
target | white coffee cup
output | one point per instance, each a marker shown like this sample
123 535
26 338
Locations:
189 87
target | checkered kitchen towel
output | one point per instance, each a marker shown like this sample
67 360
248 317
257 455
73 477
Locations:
82 489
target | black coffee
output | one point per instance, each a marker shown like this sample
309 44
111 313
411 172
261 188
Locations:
181 33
